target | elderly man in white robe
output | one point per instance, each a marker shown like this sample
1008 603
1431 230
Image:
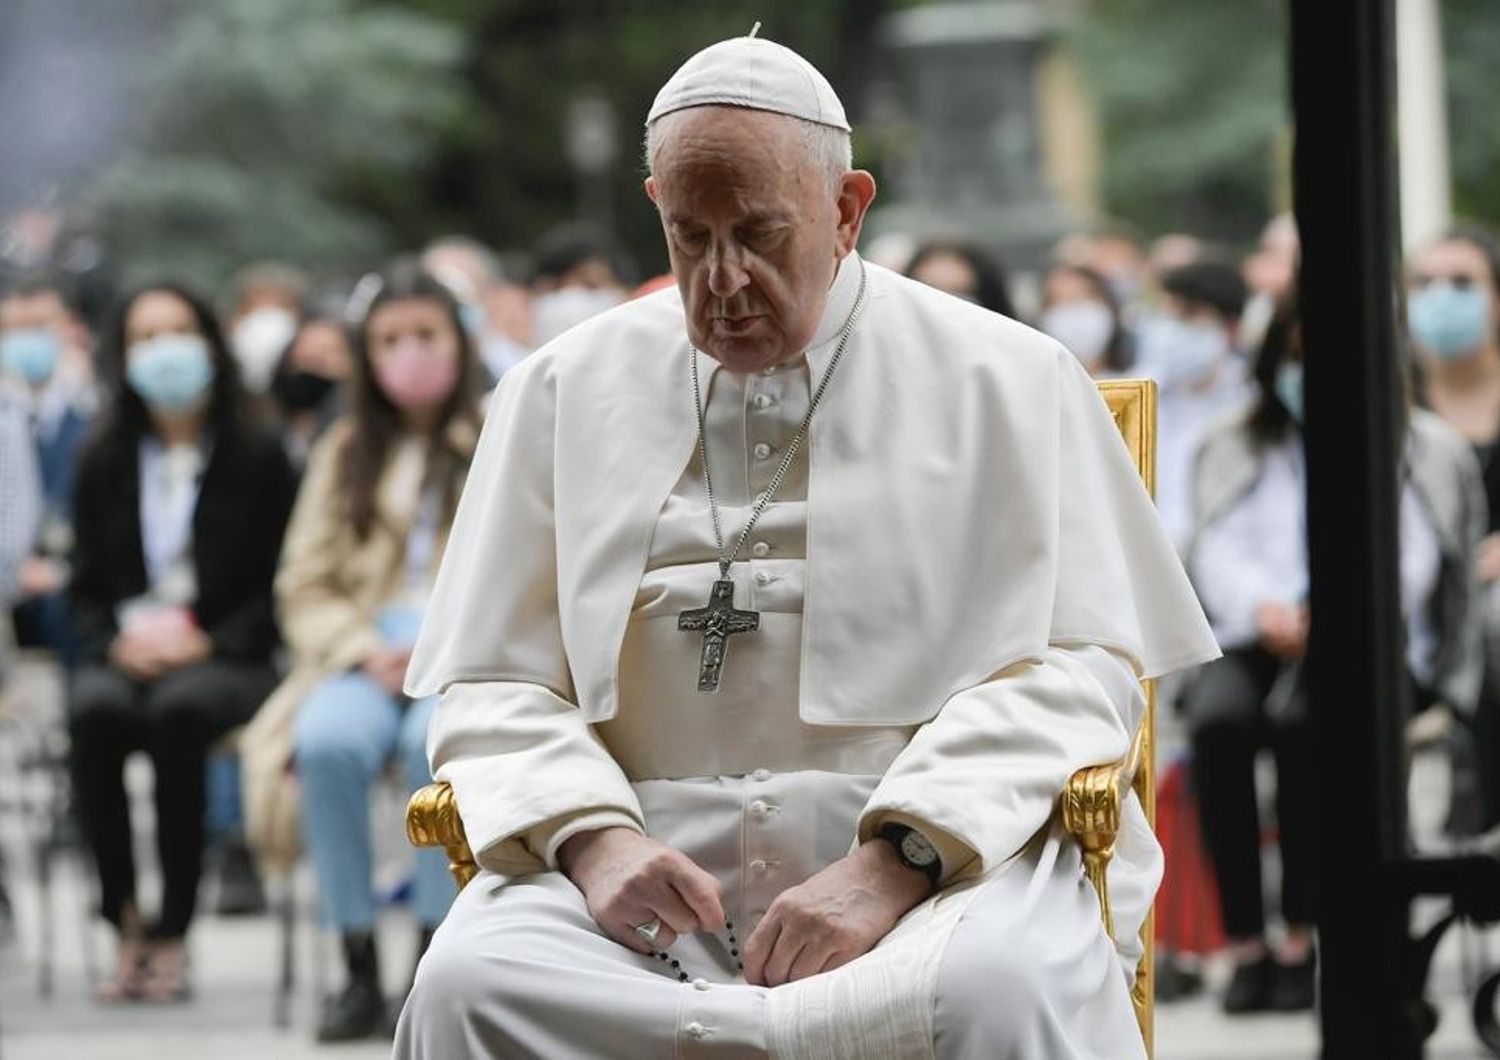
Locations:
778 610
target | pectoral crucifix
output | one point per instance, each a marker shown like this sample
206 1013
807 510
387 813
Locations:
717 622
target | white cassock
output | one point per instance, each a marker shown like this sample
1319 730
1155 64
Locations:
960 583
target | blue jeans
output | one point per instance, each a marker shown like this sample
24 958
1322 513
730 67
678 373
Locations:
347 729
225 816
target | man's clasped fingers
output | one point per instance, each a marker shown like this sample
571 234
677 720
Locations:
631 881
789 944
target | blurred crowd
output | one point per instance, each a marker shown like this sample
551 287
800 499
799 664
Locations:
223 511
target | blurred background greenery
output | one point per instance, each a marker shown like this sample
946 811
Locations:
329 132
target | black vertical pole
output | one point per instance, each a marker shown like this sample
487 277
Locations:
1343 101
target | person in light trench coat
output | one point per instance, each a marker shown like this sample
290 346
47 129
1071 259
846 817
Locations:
350 592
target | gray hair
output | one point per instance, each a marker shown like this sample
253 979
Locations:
829 149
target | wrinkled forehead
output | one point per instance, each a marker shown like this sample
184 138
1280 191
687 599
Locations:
731 152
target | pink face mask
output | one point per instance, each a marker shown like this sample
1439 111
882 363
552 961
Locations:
415 376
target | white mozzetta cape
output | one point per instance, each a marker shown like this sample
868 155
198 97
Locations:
969 504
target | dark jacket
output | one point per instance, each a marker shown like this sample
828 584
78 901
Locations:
244 500
57 458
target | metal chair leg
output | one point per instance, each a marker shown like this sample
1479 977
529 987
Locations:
286 918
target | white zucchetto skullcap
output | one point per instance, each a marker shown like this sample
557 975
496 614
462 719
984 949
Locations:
754 73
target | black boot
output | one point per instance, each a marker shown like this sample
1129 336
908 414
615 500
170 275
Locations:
1294 986
358 1012
1176 979
1250 987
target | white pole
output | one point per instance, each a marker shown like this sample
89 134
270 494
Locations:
1426 188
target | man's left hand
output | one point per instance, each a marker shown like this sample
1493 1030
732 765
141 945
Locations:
835 916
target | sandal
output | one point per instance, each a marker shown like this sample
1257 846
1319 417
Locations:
129 974
166 975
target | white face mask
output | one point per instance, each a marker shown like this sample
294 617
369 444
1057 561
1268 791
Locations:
557 311
1083 327
1177 352
258 340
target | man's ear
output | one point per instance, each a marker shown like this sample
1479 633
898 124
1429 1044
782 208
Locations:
856 192
652 190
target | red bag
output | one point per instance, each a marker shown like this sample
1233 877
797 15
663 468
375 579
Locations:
1187 906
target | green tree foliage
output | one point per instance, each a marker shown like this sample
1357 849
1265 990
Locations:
260 122
505 175
1471 41
1194 100
1192 97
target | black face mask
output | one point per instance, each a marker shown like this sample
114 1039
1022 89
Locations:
299 391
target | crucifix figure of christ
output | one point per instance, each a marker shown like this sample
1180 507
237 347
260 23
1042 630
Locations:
718 621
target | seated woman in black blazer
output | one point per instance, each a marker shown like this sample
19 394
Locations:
181 506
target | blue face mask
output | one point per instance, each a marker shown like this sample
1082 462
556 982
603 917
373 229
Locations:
1448 321
30 354
1289 389
1175 352
171 373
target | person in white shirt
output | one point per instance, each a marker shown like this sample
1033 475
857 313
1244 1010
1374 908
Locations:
1189 346
1248 560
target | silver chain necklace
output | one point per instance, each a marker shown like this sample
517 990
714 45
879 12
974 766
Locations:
720 618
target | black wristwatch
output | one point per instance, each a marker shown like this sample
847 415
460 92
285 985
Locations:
915 850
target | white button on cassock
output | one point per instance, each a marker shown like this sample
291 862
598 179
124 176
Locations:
761 774
762 401
762 451
700 984
696 1029
759 866
763 578
760 808
760 550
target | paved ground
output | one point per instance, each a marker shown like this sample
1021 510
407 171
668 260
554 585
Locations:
236 962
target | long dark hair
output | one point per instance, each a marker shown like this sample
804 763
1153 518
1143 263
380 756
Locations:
377 422
1270 419
991 286
127 420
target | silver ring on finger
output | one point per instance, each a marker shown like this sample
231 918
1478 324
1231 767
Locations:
649 930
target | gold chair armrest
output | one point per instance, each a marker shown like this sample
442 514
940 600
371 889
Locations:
1091 807
432 820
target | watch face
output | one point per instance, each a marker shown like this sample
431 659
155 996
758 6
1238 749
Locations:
917 849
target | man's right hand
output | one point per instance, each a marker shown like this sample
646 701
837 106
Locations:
630 879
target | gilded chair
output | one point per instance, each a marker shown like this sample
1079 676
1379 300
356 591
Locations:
1091 805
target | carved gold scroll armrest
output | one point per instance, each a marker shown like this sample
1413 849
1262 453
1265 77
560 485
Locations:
1092 805
432 821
